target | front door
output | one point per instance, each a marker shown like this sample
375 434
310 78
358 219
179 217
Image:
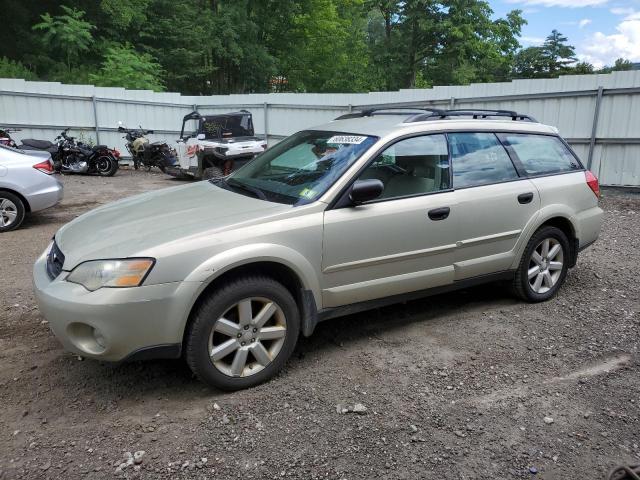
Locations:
402 242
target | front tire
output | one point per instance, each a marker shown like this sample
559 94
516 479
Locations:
243 333
12 211
544 265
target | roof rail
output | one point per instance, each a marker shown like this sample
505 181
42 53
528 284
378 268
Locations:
390 110
473 113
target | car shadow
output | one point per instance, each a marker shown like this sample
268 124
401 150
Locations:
386 320
173 378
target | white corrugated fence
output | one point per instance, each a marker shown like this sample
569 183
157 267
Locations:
599 115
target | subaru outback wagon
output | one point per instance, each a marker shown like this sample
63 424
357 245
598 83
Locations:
375 207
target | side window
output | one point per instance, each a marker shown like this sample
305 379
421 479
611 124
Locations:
479 159
412 166
541 154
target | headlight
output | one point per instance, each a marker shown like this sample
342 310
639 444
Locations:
111 273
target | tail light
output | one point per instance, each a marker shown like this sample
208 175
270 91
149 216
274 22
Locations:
44 167
116 153
592 181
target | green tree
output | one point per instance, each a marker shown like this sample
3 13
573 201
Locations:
124 67
68 33
558 55
621 64
475 48
552 58
529 63
14 69
582 68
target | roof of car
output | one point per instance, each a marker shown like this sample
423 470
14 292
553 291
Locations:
383 125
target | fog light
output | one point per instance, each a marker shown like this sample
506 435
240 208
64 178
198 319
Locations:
99 338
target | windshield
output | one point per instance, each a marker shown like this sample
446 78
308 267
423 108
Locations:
301 168
226 126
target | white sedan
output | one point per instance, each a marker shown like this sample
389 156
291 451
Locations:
26 186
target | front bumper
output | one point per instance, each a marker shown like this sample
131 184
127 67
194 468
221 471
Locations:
112 324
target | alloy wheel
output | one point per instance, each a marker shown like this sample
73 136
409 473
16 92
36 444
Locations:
247 337
8 212
545 265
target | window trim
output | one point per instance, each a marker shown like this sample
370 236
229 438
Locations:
341 200
517 160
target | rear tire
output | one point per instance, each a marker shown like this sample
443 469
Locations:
12 211
106 166
243 333
544 265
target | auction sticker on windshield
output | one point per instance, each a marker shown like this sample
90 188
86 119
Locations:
347 139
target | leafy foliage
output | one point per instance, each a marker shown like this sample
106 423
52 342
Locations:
68 33
13 69
124 67
238 46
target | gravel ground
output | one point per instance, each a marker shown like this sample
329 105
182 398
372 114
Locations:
472 384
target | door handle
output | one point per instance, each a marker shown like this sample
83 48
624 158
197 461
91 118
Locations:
439 213
525 198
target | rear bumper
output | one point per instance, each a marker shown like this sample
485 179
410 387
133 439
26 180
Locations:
588 225
114 324
47 194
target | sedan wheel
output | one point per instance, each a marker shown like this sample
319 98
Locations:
247 337
12 211
8 212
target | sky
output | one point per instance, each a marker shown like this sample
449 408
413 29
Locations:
601 30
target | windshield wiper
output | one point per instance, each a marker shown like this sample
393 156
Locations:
247 188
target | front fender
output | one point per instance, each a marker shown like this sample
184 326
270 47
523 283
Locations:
261 252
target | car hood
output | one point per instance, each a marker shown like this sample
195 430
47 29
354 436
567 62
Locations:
133 226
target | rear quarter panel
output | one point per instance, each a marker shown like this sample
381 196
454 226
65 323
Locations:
568 196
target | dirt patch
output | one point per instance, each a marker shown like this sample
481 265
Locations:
455 386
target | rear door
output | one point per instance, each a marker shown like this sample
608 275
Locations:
495 204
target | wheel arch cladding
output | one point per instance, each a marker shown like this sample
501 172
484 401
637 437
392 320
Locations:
279 272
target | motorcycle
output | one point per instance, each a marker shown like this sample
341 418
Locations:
145 153
5 137
71 156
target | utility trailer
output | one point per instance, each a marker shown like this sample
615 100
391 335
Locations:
220 144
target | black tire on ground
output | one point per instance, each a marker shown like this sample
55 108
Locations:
212 172
109 171
212 308
18 208
521 283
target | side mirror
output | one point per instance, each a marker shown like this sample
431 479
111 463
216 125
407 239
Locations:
201 136
365 190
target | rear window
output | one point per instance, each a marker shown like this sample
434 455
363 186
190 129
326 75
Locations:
541 154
